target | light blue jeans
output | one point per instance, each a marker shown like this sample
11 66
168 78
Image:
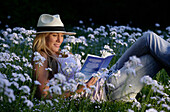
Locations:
154 53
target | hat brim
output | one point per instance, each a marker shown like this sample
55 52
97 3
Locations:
63 32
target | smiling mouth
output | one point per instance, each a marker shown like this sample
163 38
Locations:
57 45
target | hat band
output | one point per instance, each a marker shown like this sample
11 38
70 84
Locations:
50 28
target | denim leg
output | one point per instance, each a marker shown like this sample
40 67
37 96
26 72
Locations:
151 44
127 85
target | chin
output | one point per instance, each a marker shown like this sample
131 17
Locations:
55 50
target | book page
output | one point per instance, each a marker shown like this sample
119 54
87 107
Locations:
93 64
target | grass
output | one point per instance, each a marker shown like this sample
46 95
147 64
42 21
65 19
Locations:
15 52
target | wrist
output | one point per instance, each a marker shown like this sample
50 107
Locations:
88 85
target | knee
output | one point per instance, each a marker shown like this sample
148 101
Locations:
149 35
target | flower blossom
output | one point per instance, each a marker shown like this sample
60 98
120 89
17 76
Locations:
38 59
25 89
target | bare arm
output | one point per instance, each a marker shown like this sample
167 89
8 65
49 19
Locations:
41 75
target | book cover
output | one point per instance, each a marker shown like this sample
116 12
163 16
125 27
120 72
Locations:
93 63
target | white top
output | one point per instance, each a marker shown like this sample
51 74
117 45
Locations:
69 66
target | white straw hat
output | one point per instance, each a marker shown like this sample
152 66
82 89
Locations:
51 23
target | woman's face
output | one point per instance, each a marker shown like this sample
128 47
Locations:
53 41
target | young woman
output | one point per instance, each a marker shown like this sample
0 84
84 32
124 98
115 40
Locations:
49 37
153 51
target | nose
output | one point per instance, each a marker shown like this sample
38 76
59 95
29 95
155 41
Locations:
59 38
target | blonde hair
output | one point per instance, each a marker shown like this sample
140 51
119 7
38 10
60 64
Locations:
39 45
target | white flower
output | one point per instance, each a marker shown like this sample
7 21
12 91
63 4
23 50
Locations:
129 110
73 87
72 81
110 85
55 89
130 85
2 75
132 64
81 47
9 30
90 29
5 57
5 45
166 106
77 56
108 48
98 74
66 87
4 83
64 51
5 33
151 110
50 102
38 59
82 60
25 89
18 77
71 39
67 47
137 104
155 86
82 53
10 94
48 69
29 103
15 84
91 36
130 40
157 24
81 22
148 105
27 77
79 75
82 38
24 97
105 53
42 102
60 77
56 100
37 82
147 80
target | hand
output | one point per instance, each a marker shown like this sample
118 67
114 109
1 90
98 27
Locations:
91 81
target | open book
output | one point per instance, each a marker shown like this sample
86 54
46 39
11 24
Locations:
94 63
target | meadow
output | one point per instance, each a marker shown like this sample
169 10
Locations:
16 70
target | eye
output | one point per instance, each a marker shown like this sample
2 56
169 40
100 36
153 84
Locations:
55 35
